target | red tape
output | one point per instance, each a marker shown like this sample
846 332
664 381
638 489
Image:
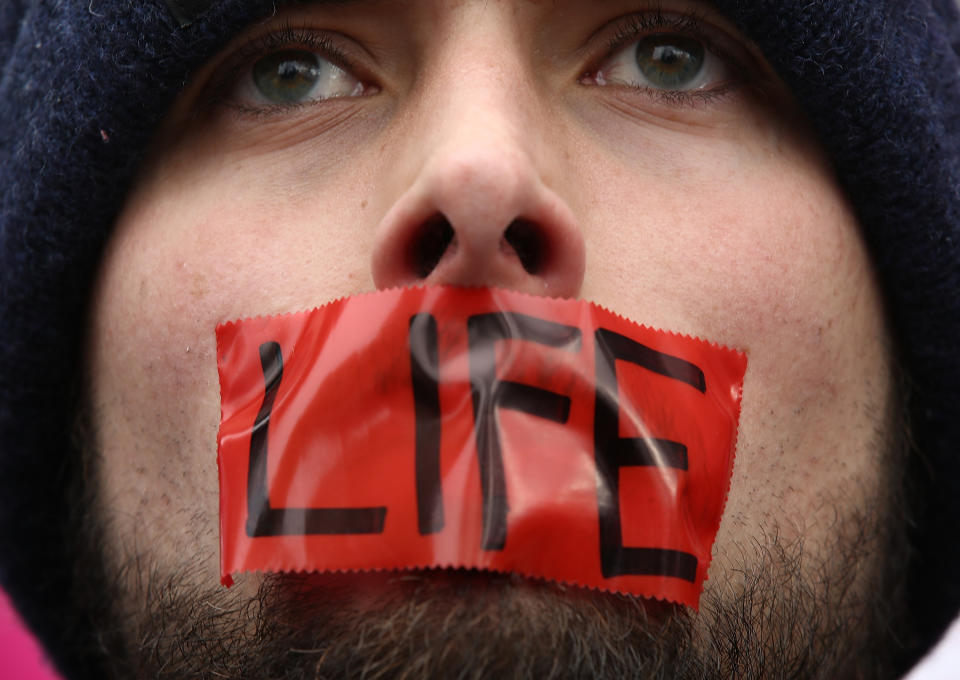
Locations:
475 428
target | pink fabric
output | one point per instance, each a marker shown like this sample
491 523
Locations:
21 656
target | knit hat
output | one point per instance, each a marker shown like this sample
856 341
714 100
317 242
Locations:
85 83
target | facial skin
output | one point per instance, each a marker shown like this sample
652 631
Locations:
711 213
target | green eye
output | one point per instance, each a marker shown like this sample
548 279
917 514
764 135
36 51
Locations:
287 77
670 62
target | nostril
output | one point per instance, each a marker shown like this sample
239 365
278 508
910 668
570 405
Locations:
528 242
429 244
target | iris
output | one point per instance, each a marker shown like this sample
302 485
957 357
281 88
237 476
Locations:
670 62
287 77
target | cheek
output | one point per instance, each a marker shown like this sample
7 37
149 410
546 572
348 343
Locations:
181 262
709 236
751 245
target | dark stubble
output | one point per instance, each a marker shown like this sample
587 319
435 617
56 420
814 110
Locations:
785 612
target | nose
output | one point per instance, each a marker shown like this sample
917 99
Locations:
478 212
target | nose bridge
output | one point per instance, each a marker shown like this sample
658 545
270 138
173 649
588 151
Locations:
476 209
482 123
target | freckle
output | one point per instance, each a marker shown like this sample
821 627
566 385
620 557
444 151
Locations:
199 288
363 204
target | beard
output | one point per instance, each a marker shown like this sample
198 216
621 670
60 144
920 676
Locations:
781 609
783 613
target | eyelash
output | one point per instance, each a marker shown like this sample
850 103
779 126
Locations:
627 30
632 28
285 37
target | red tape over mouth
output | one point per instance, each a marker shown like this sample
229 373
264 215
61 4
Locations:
475 428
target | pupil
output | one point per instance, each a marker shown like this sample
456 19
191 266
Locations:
286 77
670 62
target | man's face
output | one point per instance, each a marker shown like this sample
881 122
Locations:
656 167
